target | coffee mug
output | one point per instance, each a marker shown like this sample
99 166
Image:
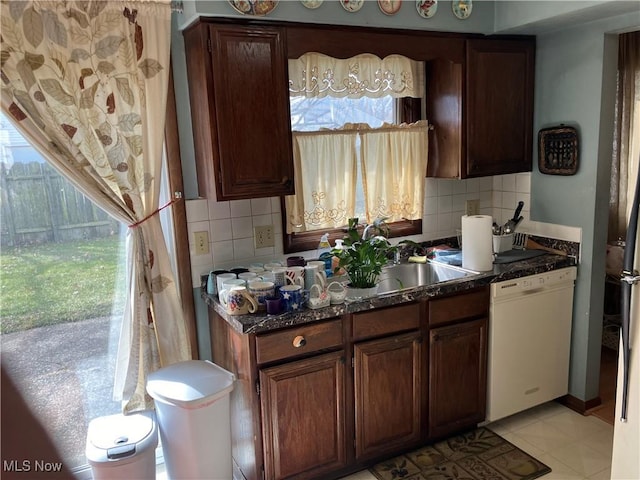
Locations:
293 297
228 285
295 275
279 276
322 267
223 277
238 270
312 276
296 261
272 265
212 281
274 305
260 291
237 301
247 276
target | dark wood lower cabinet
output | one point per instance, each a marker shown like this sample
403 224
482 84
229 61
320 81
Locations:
457 376
303 411
320 400
387 376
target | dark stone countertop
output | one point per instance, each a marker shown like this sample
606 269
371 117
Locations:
262 322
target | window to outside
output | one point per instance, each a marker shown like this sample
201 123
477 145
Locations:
61 295
313 114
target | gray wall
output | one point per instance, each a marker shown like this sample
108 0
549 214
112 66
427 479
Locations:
575 82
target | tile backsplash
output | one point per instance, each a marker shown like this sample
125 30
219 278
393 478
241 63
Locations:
230 224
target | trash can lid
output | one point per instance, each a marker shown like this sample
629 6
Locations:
119 437
190 382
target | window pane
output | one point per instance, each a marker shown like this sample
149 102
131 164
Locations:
62 296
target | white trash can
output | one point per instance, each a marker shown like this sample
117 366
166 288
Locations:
192 405
123 446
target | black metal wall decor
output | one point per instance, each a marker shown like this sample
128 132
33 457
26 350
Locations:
558 150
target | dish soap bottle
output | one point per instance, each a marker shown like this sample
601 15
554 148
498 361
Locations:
335 260
324 246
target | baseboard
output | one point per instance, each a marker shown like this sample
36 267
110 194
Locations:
580 406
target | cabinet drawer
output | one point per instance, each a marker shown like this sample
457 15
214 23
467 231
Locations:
459 307
384 321
296 341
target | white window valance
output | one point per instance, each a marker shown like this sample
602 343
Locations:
366 75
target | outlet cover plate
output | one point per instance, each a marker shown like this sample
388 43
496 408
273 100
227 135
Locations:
472 207
201 240
263 236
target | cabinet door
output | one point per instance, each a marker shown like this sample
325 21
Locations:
303 417
457 376
388 393
239 98
499 106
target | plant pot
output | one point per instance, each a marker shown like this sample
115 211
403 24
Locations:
354 293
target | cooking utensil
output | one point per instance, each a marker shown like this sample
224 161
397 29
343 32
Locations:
512 223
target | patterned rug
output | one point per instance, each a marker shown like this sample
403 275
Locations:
476 455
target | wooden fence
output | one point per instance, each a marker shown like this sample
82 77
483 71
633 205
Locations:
38 205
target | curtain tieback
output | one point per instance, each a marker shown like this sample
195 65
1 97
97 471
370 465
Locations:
157 210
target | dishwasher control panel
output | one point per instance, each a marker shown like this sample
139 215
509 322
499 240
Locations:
533 282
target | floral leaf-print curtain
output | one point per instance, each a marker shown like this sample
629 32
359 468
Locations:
86 82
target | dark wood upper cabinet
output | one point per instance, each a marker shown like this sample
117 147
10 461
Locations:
240 110
482 110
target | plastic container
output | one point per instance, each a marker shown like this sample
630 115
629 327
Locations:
324 246
123 446
192 406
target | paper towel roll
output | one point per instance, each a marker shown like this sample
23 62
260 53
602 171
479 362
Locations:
477 242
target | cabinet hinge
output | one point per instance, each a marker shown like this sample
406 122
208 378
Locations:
353 362
258 387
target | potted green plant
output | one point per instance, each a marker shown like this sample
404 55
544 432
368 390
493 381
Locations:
363 256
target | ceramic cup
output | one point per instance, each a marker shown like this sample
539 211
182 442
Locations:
223 277
322 267
212 281
260 291
296 261
295 275
293 297
272 265
279 276
312 276
274 305
228 285
247 276
257 270
237 301
238 270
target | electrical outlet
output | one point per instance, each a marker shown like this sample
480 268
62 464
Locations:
263 236
472 207
202 242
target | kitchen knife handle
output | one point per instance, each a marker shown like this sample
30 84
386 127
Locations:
518 210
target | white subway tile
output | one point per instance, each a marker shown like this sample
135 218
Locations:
509 201
458 202
221 230
431 187
445 186
497 183
444 222
197 210
431 206
242 227
275 205
486 184
473 185
262 220
523 182
459 186
496 199
222 252
445 203
430 223
509 182
260 206
243 249
276 221
240 208
218 210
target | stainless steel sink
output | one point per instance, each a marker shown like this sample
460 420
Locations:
404 276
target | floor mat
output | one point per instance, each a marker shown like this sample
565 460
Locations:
476 455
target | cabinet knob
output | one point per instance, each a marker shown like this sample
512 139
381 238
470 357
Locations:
286 181
299 341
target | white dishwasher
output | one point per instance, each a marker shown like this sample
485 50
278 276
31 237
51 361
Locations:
529 341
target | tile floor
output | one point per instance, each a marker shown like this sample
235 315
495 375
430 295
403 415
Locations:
576 447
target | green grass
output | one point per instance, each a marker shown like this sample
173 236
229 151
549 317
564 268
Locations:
58 283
